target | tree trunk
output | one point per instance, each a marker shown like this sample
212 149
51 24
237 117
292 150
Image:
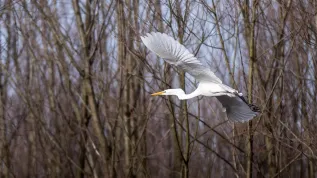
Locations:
252 55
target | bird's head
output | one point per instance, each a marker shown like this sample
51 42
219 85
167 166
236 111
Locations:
178 92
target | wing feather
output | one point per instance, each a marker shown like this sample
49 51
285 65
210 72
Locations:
236 108
176 54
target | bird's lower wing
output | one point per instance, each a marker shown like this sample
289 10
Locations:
237 109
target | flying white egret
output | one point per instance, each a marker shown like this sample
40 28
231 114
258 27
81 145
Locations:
236 107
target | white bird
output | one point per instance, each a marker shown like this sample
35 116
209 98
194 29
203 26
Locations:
236 107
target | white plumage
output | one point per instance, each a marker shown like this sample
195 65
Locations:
237 108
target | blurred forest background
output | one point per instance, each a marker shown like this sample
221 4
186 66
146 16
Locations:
75 85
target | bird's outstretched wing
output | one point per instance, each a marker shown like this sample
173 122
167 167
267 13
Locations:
237 108
174 53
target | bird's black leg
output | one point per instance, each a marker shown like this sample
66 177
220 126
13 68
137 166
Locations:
252 106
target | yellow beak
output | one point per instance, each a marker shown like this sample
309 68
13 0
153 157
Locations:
158 93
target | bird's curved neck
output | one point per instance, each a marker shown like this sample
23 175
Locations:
185 96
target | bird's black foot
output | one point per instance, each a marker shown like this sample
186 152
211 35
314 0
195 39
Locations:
254 108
